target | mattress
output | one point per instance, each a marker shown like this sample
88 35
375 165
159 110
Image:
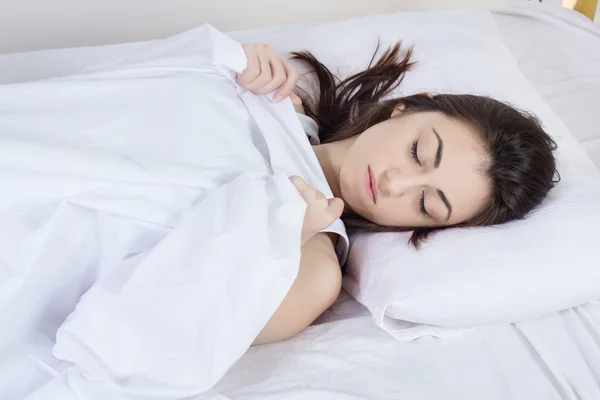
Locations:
344 355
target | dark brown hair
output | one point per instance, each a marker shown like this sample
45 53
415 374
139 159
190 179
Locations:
522 167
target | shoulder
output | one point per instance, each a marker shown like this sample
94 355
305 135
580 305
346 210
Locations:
322 248
320 270
316 287
342 244
322 243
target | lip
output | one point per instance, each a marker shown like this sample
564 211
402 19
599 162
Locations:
370 185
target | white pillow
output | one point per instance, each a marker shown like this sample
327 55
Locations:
466 278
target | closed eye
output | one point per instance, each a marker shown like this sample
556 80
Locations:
422 205
414 152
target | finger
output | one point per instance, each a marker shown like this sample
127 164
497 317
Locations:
297 180
428 94
295 99
277 74
316 195
335 208
289 85
310 194
265 71
307 192
253 68
299 183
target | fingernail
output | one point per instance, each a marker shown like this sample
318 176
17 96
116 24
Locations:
277 98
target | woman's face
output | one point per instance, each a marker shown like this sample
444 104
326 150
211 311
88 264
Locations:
416 170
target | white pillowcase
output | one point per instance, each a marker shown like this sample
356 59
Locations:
466 278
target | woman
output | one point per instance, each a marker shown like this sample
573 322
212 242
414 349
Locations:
421 163
138 278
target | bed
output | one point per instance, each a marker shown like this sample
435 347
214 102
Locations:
345 356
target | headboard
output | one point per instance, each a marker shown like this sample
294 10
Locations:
43 24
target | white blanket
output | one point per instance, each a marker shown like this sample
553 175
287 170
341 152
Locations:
153 194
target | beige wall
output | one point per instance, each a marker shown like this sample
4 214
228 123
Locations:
41 24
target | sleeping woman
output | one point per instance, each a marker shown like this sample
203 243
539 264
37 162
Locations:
420 163
139 273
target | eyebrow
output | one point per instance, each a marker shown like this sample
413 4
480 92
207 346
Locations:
440 149
446 203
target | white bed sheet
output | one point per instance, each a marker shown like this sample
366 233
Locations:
345 356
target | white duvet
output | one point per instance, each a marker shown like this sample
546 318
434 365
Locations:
153 195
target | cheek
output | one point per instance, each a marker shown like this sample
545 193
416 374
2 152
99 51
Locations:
394 148
350 185
357 159
399 212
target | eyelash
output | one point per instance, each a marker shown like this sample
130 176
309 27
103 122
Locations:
422 205
413 151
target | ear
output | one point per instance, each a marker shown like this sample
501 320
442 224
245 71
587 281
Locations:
428 94
399 109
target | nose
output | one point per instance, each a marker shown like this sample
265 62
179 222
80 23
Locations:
395 183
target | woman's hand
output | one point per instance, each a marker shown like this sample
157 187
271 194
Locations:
320 211
267 71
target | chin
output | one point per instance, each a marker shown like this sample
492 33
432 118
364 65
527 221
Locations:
366 214
358 210
355 202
